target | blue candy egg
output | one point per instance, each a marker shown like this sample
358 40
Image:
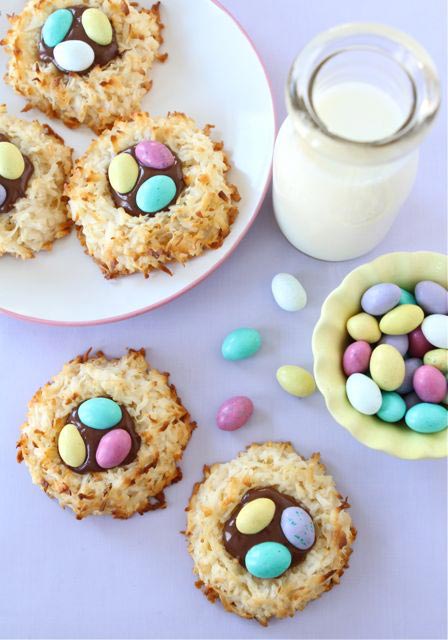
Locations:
156 193
406 297
427 418
393 407
241 343
100 413
268 560
56 27
298 527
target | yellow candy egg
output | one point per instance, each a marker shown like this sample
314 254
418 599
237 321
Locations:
403 319
97 26
123 173
295 380
364 327
12 164
255 516
387 367
437 358
72 448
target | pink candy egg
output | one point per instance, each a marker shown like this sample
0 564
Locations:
357 357
429 384
418 344
234 413
154 154
113 448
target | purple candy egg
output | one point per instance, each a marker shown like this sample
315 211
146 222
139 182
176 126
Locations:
418 344
234 413
410 367
380 298
356 357
429 384
154 154
3 194
113 448
411 399
432 297
401 343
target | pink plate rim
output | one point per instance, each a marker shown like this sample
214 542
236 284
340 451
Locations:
156 305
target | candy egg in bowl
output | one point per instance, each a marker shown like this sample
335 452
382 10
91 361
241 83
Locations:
331 339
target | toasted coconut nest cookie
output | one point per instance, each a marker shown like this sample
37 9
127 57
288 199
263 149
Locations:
39 217
97 98
162 425
271 464
199 219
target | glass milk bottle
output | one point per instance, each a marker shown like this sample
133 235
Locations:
360 98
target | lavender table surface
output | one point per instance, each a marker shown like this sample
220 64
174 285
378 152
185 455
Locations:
101 578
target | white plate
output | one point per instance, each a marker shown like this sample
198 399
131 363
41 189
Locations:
214 74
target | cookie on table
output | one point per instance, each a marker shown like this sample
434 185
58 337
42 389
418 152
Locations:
34 165
83 61
268 532
150 191
104 436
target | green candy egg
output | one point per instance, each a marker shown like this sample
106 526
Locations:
406 297
100 413
156 193
427 418
97 26
393 407
56 27
268 559
241 343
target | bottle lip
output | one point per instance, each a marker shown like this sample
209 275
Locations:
398 47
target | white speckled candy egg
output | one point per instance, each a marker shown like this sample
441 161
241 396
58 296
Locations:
288 293
298 527
363 394
73 55
435 330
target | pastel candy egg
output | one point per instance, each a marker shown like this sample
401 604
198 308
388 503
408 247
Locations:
73 55
410 367
429 384
363 394
288 293
255 516
438 358
97 26
154 154
123 173
234 413
435 330
12 164
406 297
356 357
56 27
296 380
432 297
113 448
298 527
411 399
100 413
72 448
403 319
427 418
418 344
365 327
387 367
3 194
380 298
393 407
156 193
241 343
268 560
401 343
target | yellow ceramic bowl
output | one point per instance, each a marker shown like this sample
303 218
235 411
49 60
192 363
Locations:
330 339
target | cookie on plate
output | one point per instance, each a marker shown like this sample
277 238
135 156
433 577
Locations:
34 165
83 61
149 192
268 532
105 436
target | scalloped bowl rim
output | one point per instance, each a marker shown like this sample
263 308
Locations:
340 304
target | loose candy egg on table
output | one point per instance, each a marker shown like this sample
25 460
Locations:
255 516
426 417
155 193
71 446
429 384
432 297
363 394
113 448
437 358
298 527
403 319
234 413
356 357
393 407
123 172
411 365
418 344
100 413
3 194
73 55
56 27
12 164
387 367
154 154
288 292
240 344
268 559
97 26
435 330
365 327
296 380
380 298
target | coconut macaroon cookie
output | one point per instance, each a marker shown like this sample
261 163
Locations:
34 165
105 436
149 192
268 532
83 61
